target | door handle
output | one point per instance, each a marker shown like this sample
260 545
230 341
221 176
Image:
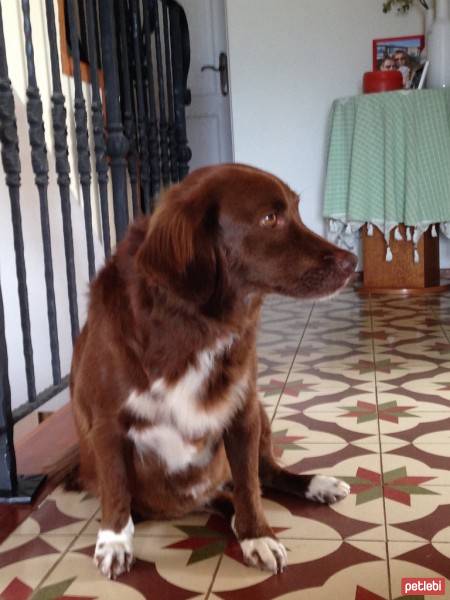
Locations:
223 70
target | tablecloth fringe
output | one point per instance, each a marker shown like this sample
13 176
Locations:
343 233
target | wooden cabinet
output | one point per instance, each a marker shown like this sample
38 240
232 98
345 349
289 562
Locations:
402 274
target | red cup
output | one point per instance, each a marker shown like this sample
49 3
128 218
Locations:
382 81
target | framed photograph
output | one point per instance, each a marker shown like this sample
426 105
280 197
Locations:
411 45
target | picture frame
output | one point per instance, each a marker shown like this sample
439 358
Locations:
412 45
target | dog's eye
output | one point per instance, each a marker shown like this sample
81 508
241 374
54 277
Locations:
269 220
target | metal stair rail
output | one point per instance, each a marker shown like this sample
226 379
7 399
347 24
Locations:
137 54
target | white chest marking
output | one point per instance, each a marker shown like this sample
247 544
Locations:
198 490
178 404
176 415
166 442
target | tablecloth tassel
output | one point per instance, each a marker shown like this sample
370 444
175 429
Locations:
397 235
408 234
416 256
370 229
348 229
445 228
416 235
388 254
433 231
332 226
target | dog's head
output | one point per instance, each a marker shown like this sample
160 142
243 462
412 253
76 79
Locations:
235 229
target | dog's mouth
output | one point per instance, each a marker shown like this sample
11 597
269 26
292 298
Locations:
325 292
337 291
324 280
323 284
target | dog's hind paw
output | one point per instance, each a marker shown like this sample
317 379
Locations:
114 551
265 553
326 489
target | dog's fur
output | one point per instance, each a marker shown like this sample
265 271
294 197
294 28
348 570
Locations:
164 372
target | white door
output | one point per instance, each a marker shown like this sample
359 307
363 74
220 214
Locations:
208 116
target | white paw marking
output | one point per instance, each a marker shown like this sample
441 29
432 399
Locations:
114 551
327 489
265 553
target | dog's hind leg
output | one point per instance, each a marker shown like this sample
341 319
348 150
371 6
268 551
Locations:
318 488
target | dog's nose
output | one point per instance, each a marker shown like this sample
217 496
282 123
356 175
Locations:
344 261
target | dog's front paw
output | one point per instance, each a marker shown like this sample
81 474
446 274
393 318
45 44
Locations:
265 552
327 489
114 551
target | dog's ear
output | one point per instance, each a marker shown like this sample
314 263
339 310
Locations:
181 249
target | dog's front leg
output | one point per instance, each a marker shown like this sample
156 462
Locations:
114 547
257 540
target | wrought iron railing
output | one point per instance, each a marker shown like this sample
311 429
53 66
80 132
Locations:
144 57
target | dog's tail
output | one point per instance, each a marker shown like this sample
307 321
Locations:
66 470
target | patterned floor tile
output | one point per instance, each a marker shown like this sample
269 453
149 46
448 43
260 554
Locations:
61 513
323 427
303 386
425 515
396 416
25 560
270 388
156 528
317 569
418 559
427 431
161 569
358 366
340 380
311 520
433 390
349 403
429 464
358 465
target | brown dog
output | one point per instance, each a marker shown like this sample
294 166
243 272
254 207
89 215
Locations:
164 372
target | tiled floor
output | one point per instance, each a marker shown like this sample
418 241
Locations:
358 388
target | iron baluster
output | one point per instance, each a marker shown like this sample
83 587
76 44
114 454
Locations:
8 472
142 120
180 93
84 163
101 163
40 168
163 127
11 165
170 107
62 169
13 488
117 144
128 121
155 167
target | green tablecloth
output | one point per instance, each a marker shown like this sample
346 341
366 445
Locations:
389 162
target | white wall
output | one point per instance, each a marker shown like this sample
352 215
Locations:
288 60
